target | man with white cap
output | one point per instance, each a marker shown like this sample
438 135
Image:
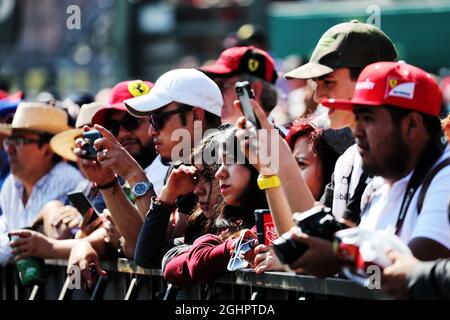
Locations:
37 174
186 92
180 99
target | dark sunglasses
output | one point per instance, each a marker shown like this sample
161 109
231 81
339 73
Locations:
157 119
129 123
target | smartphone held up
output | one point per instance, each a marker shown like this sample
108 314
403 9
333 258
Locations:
244 93
90 137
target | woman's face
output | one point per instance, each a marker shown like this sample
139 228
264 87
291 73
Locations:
310 166
207 191
233 180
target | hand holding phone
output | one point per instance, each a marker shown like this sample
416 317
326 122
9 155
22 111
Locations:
90 137
244 93
83 205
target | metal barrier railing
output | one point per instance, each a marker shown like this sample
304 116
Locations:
127 281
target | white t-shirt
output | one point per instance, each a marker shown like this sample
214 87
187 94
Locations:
382 206
347 172
156 173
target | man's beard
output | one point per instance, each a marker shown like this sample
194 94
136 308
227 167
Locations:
145 155
394 164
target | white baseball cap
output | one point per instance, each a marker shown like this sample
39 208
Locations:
187 86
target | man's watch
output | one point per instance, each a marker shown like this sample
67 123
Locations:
141 188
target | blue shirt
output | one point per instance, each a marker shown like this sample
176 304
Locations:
4 168
55 185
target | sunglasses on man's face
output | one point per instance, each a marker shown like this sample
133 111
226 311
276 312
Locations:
158 120
19 141
129 123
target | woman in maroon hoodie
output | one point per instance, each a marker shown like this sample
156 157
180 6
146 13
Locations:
207 258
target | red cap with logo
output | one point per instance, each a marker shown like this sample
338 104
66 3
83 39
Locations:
393 83
122 91
239 60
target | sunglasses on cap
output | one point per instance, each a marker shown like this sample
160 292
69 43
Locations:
128 122
157 119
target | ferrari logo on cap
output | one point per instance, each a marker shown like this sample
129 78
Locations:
392 83
403 90
253 65
398 88
138 88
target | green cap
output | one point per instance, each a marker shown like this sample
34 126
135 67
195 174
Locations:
346 45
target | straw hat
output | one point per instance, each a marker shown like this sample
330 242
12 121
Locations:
37 117
63 143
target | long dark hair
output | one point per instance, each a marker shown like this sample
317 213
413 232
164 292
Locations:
232 218
206 153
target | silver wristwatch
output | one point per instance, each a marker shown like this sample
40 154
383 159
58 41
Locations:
141 188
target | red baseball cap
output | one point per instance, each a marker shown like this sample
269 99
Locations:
239 60
122 91
393 83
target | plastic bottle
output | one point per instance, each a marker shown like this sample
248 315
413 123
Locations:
30 269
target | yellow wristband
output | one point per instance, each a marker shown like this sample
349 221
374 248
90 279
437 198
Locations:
268 182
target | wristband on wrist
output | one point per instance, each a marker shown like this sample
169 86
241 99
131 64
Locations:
265 182
106 185
168 206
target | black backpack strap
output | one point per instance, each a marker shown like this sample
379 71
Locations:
353 209
426 183
434 150
327 196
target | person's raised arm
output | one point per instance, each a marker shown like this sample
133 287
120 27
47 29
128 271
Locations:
125 214
124 165
152 243
297 192
290 192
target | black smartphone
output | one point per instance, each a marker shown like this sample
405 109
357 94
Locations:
79 201
244 93
90 137
260 230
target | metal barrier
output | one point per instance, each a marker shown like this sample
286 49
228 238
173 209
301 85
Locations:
126 281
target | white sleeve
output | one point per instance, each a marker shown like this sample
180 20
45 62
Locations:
433 221
5 250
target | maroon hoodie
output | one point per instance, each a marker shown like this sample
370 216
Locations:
205 262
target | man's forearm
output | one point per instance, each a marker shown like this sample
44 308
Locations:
295 188
143 203
60 249
125 215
